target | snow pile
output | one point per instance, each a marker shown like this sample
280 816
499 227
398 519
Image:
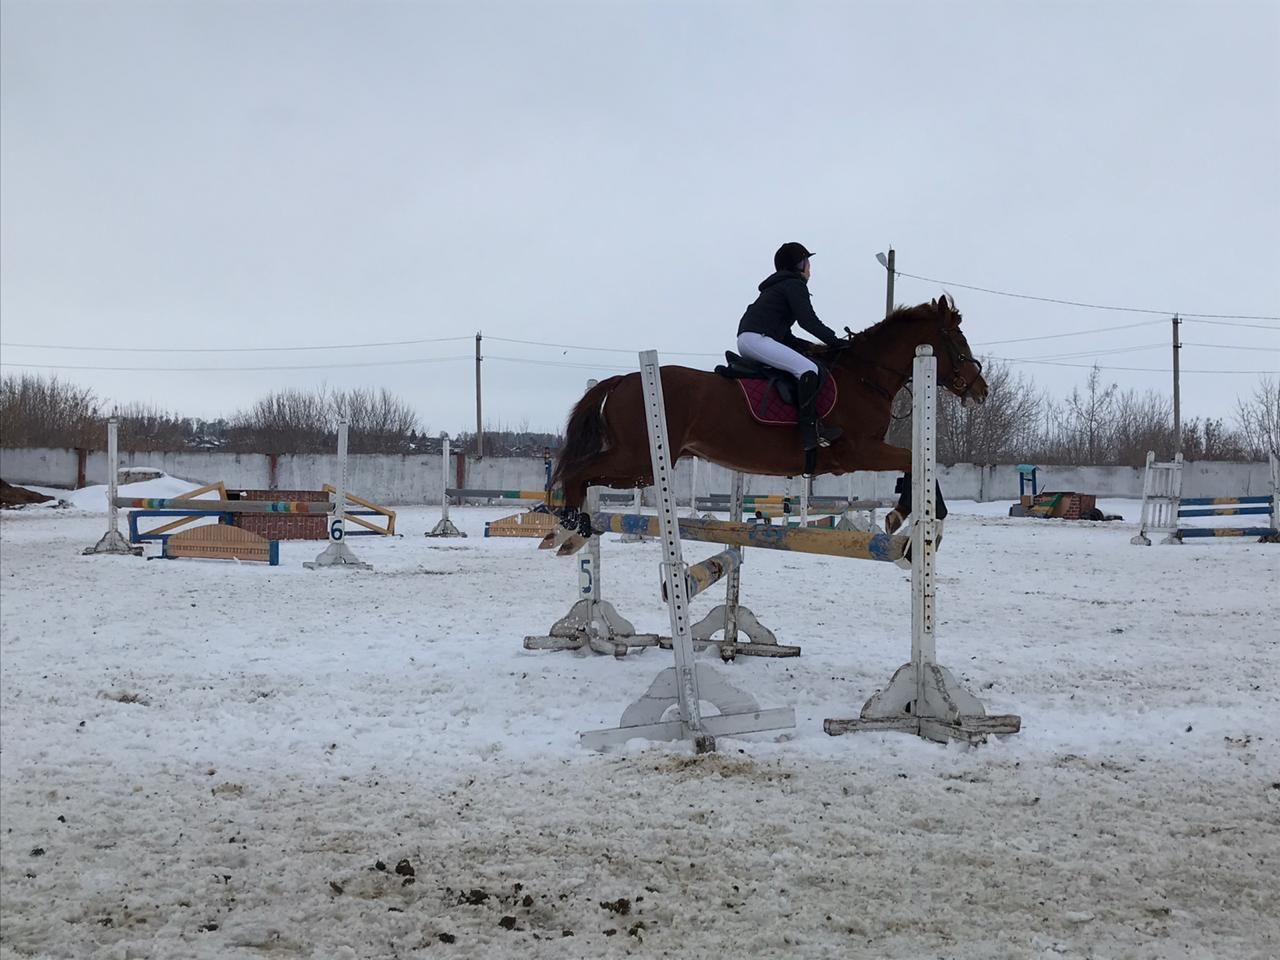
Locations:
95 498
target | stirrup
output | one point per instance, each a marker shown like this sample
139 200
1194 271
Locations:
810 438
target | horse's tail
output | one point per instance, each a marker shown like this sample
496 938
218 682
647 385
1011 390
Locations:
586 433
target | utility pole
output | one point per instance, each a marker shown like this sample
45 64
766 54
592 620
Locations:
479 428
1177 400
887 263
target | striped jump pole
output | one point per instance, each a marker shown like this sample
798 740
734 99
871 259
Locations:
224 506
536 496
830 543
636 508
702 576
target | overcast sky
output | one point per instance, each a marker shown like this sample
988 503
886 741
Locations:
617 175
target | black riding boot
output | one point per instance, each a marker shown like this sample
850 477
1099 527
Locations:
813 433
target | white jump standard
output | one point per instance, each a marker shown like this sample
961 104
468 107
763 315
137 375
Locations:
113 541
592 622
730 617
1163 506
922 696
337 553
687 683
445 527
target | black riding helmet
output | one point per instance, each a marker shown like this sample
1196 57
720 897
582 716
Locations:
790 256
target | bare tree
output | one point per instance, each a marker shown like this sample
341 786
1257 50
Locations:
1000 430
144 427
1141 422
380 423
1259 419
1091 420
287 421
301 421
39 411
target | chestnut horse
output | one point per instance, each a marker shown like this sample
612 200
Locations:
607 442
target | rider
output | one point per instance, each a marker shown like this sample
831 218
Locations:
764 335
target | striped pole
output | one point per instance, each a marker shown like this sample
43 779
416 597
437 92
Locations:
830 543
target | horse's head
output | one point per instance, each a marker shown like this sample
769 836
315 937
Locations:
958 371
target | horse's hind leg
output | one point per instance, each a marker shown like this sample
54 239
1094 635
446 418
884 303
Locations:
618 468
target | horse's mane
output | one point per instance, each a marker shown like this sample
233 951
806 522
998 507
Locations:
864 340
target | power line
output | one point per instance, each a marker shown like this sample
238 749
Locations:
1074 333
301 366
334 346
558 363
1090 366
1104 352
1227 323
1090 306
1228 346
578 346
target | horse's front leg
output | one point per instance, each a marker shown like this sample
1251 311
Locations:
898 515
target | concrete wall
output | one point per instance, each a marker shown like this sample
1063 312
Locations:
390 479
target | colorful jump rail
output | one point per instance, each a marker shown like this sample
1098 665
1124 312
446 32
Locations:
537 496
221 506
827 542
1164 507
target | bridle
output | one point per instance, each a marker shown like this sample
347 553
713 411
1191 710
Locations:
960 385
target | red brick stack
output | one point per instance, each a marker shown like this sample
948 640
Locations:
284 526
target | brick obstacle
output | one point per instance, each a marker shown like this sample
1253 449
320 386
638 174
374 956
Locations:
922 697
1164 507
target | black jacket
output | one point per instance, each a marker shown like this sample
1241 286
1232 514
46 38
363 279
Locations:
783 301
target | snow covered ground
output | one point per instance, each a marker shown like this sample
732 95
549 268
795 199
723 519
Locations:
211 760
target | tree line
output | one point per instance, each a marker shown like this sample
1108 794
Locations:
1097 424
1019 423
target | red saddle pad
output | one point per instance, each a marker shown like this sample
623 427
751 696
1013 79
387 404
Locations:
769 408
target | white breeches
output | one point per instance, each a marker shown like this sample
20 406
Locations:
758 347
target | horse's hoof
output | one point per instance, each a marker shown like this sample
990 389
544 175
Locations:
572 544
548 542
892 521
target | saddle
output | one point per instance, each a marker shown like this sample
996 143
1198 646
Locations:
771 393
